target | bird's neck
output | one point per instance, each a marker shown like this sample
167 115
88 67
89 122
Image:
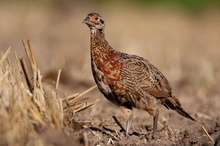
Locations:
97 38
97 32
98 42
102 53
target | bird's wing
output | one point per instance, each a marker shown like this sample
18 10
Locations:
141 77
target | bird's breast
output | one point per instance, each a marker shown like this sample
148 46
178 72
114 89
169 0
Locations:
108 64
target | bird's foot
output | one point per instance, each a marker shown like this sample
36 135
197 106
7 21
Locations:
154 137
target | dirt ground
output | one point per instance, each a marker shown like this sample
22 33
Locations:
184 46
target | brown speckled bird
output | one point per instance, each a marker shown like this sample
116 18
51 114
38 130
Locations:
128 81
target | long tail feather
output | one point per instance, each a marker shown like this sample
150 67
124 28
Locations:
184 113
174 104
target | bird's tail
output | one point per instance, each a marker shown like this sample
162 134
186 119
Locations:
174 104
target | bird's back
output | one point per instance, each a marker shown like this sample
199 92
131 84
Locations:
125 79
139 74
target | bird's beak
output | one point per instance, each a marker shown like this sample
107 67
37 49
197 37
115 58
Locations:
86 20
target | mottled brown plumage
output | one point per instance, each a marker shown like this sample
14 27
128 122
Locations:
128 81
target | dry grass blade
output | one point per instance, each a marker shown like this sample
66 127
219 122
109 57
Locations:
27 53
88 90
71 97
26 74
39 81
17 61
90 105
76 105
58 79
26 108
72 101
31 53
20 110
4 56
206 132
4 76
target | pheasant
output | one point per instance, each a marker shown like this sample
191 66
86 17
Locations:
128 81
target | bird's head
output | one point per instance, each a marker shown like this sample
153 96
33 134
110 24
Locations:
94 21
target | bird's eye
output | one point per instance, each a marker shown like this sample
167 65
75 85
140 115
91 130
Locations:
96 18
102 21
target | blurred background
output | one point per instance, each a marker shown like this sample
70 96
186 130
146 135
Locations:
181 38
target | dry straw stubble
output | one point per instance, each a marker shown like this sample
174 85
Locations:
28 115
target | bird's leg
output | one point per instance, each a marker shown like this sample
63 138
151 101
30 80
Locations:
155 121
129 122
128 114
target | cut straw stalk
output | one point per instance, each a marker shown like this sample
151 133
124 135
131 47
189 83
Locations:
5 55
30 55
72 99
86 106
31 109
210 138
73 103
26 74
58 79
